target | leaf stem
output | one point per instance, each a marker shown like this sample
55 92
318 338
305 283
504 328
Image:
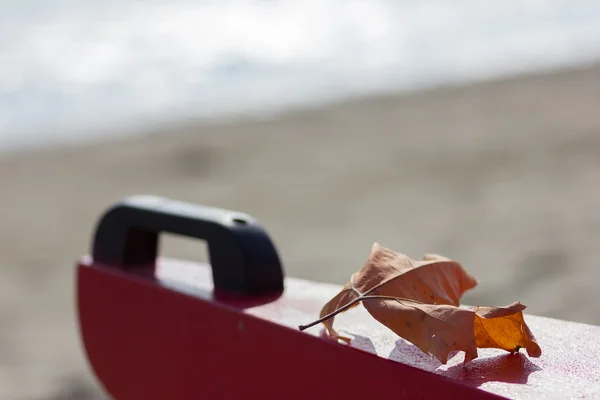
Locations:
350 304
331 314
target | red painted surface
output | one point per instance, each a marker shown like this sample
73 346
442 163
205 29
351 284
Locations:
168 336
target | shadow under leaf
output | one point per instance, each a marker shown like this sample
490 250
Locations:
363 343
508 368
410 354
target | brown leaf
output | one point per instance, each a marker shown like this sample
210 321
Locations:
504 328
343 298
418 300
435 329
435 280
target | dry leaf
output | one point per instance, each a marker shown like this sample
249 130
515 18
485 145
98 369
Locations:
435 280
419 300
435 329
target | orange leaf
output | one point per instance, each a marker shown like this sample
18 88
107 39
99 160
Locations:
435 280
418 300
504 328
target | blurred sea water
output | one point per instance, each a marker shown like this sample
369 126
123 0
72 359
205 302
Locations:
72 70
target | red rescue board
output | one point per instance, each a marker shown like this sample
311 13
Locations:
155 328
170 336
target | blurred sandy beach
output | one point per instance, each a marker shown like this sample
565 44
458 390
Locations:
502 176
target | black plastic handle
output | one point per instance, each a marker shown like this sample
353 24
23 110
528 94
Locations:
242 256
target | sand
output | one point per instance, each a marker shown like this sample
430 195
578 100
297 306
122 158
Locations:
502 176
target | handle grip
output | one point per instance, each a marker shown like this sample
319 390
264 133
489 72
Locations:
242 256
